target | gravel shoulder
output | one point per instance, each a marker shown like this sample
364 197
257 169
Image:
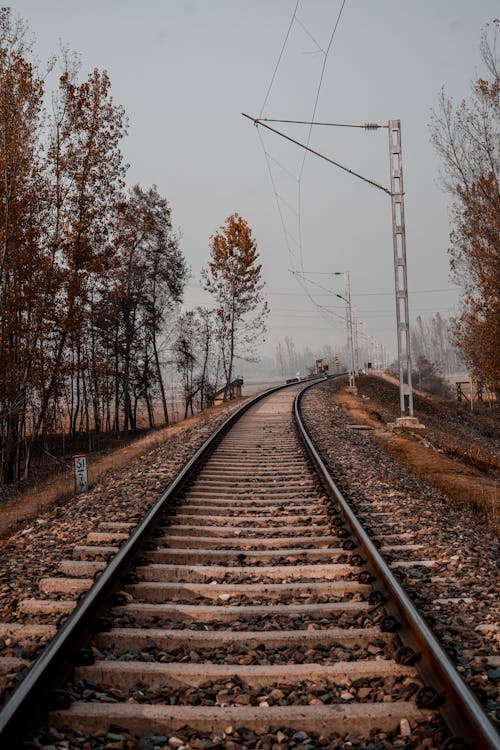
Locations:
457 591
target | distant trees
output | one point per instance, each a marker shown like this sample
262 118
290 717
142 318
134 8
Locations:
467 138
196 357
147 285
233 277
428 377
432 339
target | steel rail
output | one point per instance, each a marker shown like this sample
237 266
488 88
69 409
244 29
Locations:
461 711
31 700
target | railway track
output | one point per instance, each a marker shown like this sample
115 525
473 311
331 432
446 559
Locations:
250 596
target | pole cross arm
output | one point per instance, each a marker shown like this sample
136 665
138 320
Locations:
257 122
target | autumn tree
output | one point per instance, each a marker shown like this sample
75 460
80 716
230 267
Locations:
467 138
22 259
85 164
233 277
165 272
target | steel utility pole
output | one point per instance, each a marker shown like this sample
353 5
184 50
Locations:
400 272
348 315
356 340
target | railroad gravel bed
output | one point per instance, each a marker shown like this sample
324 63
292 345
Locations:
36 551
462 552
236 692
245 655
410 736
264 622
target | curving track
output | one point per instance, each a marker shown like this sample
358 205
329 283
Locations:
254 606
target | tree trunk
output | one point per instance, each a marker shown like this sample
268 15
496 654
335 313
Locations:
160 381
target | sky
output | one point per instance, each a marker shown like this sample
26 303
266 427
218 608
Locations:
185 70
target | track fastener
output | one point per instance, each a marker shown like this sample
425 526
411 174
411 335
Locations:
407 656
365 577
428 697
389 624
84 657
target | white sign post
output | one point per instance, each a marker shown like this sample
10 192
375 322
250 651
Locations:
81 478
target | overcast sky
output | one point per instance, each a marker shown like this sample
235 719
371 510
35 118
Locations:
185 70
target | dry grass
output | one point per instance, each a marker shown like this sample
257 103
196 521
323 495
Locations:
356 411
58 490
457 478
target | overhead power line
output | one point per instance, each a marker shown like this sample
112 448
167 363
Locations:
280 201
325 58
280 56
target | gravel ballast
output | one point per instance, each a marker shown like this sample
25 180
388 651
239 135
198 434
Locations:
458 593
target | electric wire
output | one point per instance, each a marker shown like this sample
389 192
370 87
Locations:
306 30
280 56
320 84
318 91
320 286
324 311
283 226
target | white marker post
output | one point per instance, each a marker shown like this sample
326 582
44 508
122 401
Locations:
81 478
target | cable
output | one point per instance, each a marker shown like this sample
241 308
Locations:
278 198
325 57
281 166
320 286
285 233
315 283
356 294
321 81
280 56
320 48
